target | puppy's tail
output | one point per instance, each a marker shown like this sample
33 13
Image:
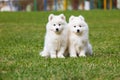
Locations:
89 51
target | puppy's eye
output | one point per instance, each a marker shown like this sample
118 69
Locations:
80 26
54 24
74 26
59 24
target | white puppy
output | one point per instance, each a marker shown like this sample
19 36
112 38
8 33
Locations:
56 37
78 37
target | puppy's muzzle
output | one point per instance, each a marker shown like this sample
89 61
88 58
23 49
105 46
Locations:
57 29
78 30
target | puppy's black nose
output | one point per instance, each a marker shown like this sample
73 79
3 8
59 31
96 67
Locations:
78 30
57 29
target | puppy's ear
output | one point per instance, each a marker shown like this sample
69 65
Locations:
50 17
81 17
62 16
71 18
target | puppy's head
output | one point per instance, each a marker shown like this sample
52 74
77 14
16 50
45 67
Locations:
56 23
78 25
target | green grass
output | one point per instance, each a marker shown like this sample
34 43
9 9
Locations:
22 37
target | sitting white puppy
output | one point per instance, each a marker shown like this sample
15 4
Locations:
78 37
56 37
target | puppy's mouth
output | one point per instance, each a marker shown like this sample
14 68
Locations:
57 31
78 32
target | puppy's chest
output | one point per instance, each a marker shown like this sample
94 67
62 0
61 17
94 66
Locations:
78 42
57 43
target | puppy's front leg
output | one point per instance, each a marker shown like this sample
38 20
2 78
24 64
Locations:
61 52
82 53
53 54
72 51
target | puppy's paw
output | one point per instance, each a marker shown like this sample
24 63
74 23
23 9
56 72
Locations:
53 56
82 55
43 54
61 56
74 56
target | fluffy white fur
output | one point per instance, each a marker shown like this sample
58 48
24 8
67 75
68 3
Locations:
78 37
56 37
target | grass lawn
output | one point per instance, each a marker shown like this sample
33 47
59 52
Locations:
22 38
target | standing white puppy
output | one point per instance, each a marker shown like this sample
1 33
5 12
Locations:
56 37
78 37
